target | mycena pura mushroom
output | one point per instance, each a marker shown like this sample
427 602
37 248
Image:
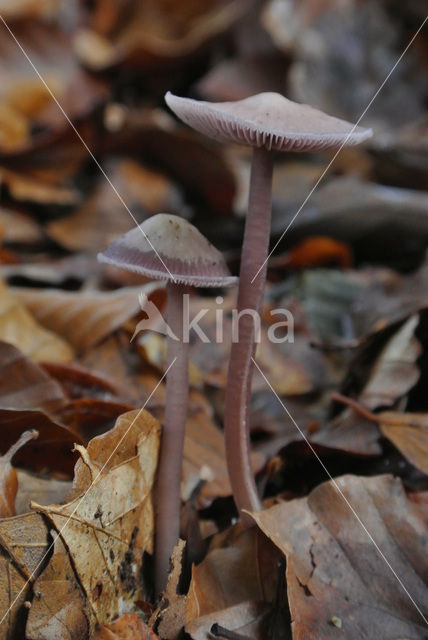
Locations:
171 249
267 122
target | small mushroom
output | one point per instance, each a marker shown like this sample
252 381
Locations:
267 122
171 249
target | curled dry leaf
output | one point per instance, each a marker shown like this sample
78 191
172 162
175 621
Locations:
18 327
335 572
23 544
83 319
110 514
9 477
392 375
127 627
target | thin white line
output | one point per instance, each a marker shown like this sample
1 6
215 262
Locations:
122 201
382 555
33 573
342 145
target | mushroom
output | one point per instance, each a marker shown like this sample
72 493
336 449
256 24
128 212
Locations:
267 122
171 249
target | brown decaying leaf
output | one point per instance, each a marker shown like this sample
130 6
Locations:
83 319
9 477
18 327
392 375
102 218
334 571
24 187
395 371
115 357
108 531
24 384
58 609
23 543
243 568
51 451
127 627
409 433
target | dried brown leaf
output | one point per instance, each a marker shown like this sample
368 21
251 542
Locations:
110 514
25 385
58 609
335 574
23 543
409 433
83 319
18 327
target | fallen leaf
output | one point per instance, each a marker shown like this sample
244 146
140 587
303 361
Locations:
58 608
83 319
334 571
16 227
409 433
395 371
127 627
53 450
18 327
244 568
9 477
110 514
25 385
23 544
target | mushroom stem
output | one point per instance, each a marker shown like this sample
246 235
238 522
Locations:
250 296
172 442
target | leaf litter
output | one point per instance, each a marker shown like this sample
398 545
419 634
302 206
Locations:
77 503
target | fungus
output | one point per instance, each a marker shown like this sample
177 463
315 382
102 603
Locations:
171 249
267 122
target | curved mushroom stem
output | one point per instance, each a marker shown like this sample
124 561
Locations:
250 296
171 452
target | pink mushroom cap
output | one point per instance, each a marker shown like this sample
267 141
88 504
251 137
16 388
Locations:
167 247
267 120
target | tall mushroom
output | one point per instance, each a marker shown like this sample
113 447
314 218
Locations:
267 122
171 249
